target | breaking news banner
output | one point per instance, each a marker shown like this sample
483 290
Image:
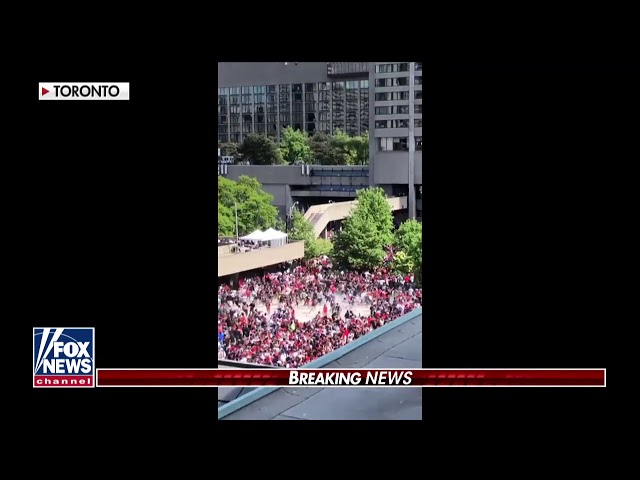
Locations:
421 377
83 91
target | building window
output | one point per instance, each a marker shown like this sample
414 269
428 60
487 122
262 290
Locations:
285 118
297 97
296 88
310 107
234 100
400 123
234 91
417 122
246 90
392 67
258 98
260 128
364 84
296 107
402 109
311 117
223 91
392 82
223 119
234 138
417 80
418 66
310 87
234 128
311 127
247 109
284 89
272 108
418 143
222 109
364 109
382 110
234 118
382 97
418 94
259 118
417 109
246 99
324 86
260 89
271 89
224 138
222 100
259 108
296 117
246 128
381 123
223 128
247 118
396 144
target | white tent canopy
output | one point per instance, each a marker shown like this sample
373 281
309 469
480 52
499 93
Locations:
272 234
255 235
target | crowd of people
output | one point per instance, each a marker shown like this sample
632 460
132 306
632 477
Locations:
274 334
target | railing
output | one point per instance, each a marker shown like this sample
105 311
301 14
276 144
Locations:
346 69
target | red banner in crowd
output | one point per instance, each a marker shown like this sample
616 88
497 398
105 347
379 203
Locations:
422 377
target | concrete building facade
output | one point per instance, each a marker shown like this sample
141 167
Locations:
382 98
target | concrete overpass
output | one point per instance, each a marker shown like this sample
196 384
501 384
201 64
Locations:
320 215
232 263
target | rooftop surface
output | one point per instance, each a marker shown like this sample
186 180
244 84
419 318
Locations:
401 347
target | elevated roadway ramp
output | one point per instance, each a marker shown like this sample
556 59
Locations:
399 347
320 215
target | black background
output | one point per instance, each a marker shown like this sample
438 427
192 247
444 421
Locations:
117 225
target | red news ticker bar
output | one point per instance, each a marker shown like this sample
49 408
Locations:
419 377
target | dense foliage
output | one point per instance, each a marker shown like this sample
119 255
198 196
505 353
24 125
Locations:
299 147
252 202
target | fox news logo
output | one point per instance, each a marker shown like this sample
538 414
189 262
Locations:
63 357
83 91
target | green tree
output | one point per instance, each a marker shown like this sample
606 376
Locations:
301 229
253 204
366 231
260 150
343 149
409 243
229 149
360 146
226 221
321 150
295 146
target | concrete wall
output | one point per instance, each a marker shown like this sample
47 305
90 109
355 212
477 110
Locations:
239 74
241 262
270 175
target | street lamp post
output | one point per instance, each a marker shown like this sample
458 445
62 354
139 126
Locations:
236 207
290 216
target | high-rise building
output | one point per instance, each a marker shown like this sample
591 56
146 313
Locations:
382 98
395 148
267 97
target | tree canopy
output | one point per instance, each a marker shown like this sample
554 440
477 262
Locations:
299 147
366 232
260 150
253 203
295 146
408 258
